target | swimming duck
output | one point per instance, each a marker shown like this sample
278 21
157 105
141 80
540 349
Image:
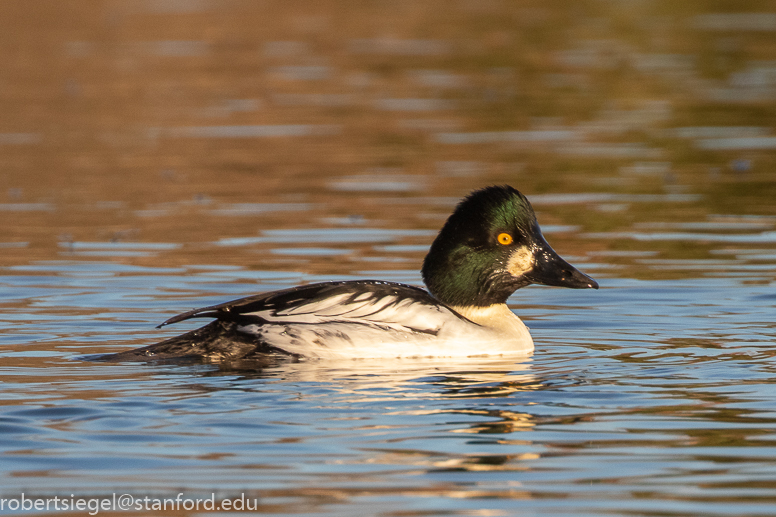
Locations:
489 247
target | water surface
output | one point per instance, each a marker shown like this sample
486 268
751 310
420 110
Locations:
162 155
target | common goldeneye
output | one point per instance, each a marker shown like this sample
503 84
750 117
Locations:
489 247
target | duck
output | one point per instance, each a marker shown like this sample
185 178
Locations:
489 247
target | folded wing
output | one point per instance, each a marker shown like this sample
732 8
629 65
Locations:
335 319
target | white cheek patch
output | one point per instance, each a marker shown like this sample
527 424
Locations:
521 261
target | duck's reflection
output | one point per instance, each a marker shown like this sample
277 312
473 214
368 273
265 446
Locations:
471 377
406 388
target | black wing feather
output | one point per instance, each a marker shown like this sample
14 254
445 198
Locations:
285 299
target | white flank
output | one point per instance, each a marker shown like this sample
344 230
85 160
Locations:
391 327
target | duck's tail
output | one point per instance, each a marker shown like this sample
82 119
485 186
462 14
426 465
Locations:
216 342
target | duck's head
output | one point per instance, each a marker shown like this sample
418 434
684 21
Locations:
491 246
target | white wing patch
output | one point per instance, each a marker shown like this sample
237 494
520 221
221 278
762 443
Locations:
388 311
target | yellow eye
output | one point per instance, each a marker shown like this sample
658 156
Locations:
504 238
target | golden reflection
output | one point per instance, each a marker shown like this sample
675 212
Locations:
377 117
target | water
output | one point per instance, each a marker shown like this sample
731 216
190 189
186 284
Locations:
162 155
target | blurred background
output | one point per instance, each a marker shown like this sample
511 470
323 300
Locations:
163 132
160 155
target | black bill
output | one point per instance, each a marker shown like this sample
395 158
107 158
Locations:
550 269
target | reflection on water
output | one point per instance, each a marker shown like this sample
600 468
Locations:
660 386
165 154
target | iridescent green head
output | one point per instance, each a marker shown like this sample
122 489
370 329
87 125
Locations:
491 246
